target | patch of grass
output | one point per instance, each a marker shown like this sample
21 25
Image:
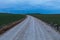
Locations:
9 18
54 18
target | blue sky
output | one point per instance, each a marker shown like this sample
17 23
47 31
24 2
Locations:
30 6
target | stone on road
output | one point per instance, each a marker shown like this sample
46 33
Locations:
31 29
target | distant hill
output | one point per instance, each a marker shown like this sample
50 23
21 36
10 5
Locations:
33 13
5 13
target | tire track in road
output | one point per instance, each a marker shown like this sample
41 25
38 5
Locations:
22 32
30 33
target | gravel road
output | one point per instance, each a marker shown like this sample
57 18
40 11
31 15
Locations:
31 29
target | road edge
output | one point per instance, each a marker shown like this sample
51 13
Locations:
11 25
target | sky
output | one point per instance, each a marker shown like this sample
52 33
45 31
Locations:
30 6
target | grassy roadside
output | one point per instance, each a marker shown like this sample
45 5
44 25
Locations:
50 18
9 18
7 21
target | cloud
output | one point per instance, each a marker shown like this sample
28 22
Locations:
30 4
46 4
55 4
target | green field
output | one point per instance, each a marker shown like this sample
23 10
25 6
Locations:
9 18
49 18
